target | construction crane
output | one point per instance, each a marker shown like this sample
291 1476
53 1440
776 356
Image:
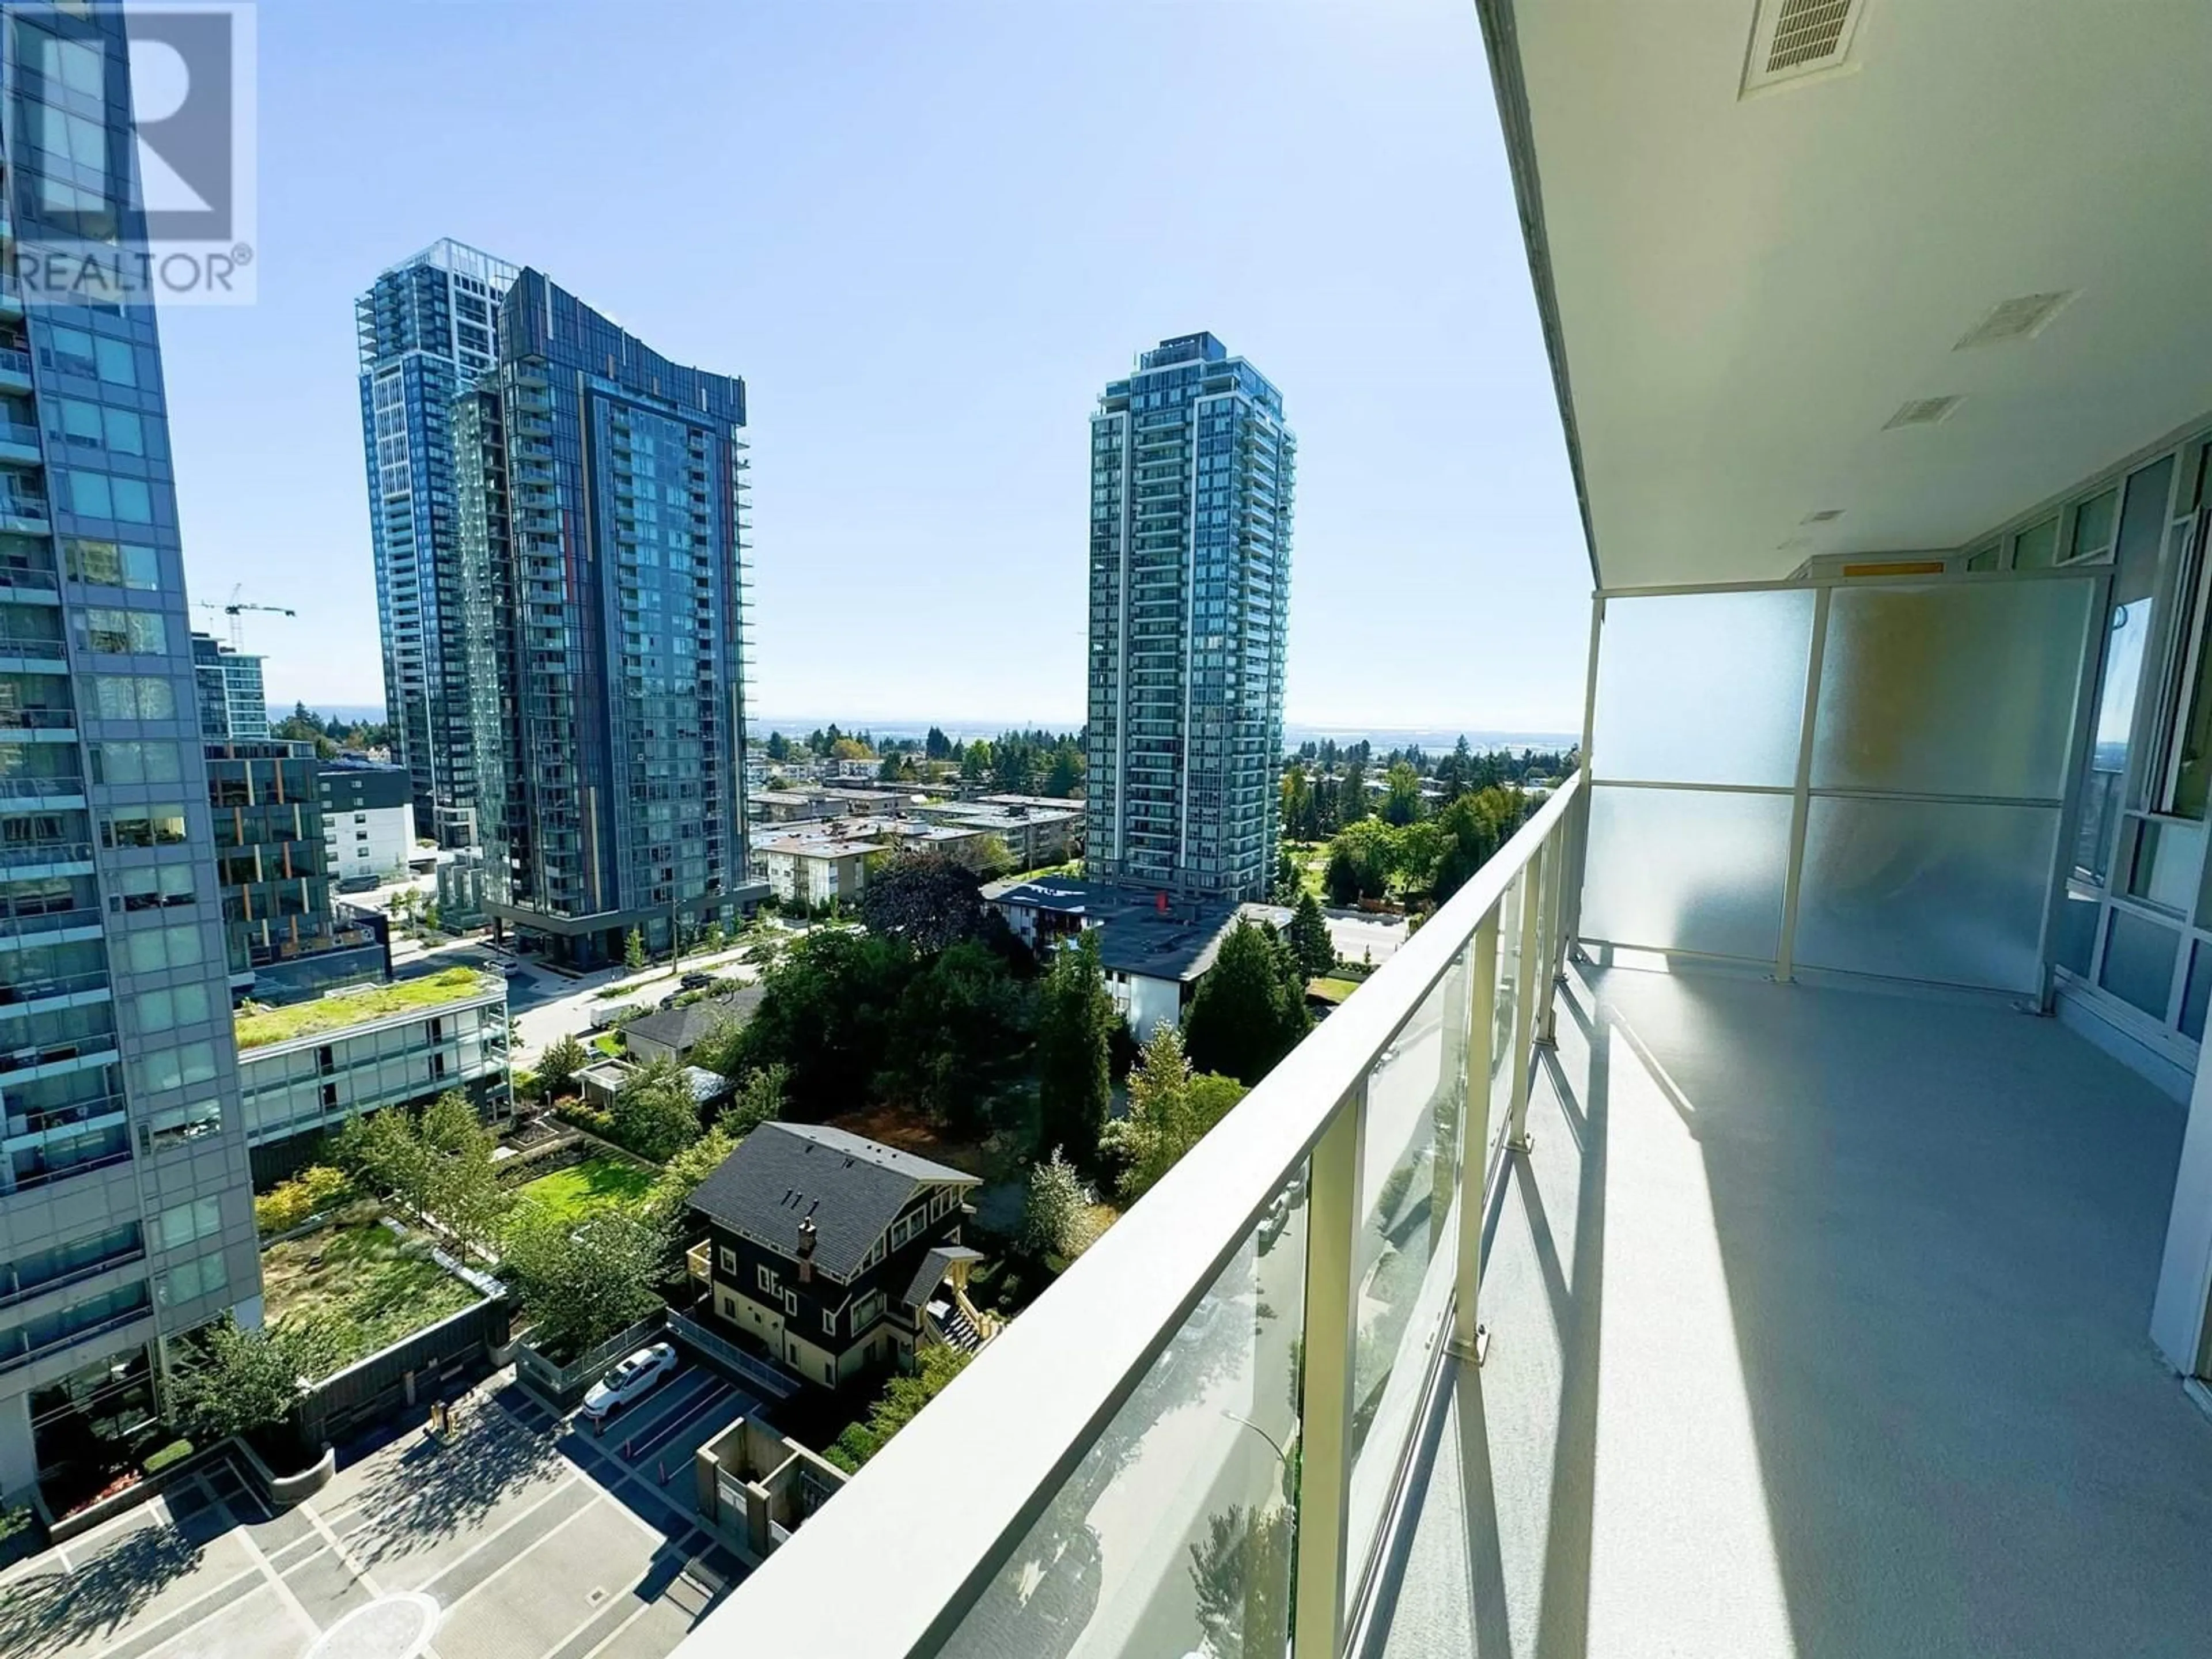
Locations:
236 608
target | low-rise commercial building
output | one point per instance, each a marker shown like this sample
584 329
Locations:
305 1069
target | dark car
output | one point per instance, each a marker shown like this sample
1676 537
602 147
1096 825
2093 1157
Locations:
696 981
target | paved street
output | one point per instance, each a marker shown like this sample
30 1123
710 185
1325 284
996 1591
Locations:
517 1539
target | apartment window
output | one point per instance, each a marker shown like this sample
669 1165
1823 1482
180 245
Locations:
152 949
176 1068
829 1322
184 1224
175 1125
729 1258
866 1310
153 887
126 633
137 762
143 826
164 1011
133 697
765 1279
112 564
191 1281
791 1303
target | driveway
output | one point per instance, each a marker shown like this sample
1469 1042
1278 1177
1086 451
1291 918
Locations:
520 1539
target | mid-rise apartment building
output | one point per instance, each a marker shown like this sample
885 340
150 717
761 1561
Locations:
603 505
427 328
234 702
126 1210
368 820
1191 470
286 937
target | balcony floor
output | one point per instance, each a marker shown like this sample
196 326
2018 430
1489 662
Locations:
1819 1327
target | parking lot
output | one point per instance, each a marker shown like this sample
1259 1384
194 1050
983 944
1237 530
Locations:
513 1538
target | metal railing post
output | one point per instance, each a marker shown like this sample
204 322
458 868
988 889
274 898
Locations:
1525 993
1547 977
1325 1401
1470 1337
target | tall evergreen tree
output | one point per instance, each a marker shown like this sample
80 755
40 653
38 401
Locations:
1249 1010
1075 1024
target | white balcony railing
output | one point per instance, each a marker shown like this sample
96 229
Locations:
1241 1361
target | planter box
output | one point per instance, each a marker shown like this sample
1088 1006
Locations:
143 1491
283 1489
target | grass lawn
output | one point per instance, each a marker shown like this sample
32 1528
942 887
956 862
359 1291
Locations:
344 1008
608 1044
598 1183
368 1284
1331 990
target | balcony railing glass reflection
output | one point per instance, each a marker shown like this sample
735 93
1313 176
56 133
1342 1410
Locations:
1195 1440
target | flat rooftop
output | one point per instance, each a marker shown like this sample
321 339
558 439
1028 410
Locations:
1135 935
362 1005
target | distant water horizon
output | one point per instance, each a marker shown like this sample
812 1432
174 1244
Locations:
1295 732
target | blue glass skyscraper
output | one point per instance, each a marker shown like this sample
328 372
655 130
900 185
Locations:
1191 470
427 328
603 510
126 1215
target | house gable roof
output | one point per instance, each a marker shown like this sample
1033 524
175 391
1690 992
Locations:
851 1187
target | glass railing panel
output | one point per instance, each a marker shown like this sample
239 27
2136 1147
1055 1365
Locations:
1503 1004
1404 1254
1173 1535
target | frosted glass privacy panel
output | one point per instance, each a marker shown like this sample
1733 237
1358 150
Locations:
1950 892
1963 688
1686 870
1703 688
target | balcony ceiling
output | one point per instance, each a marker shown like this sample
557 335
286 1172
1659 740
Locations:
1748 288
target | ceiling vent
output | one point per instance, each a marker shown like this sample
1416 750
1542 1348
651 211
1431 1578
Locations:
2022 319
1923 412
1791 39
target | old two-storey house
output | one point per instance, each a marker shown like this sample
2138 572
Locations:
838 1253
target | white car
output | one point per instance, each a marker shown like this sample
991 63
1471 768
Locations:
631 1381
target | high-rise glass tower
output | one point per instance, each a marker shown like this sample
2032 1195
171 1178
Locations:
1191 471
127 1214
234 702
428 329
602 497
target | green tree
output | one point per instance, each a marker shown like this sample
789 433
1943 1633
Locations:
1249 1009
1056 1211
237 1380
1308 939
680 1177
1474 827
1401 794
582 1281
559 1065
634 951
451 1124
1298 803
1352 794
932 900
655 1113
1074 1028
989 856
1063 776
759 1100
1290 880
1170 1108
825 1014
779 748
961 1031
902 1400
384 1153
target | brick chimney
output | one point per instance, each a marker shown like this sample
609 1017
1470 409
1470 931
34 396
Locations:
806 1251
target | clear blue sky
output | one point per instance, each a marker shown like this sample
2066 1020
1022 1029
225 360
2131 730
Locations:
927 233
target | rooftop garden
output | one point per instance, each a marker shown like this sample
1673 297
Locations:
258 1026
366 1285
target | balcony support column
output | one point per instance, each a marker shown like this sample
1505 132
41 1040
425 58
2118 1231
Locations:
1526 972
1547 979
1470 1337
1325 1404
